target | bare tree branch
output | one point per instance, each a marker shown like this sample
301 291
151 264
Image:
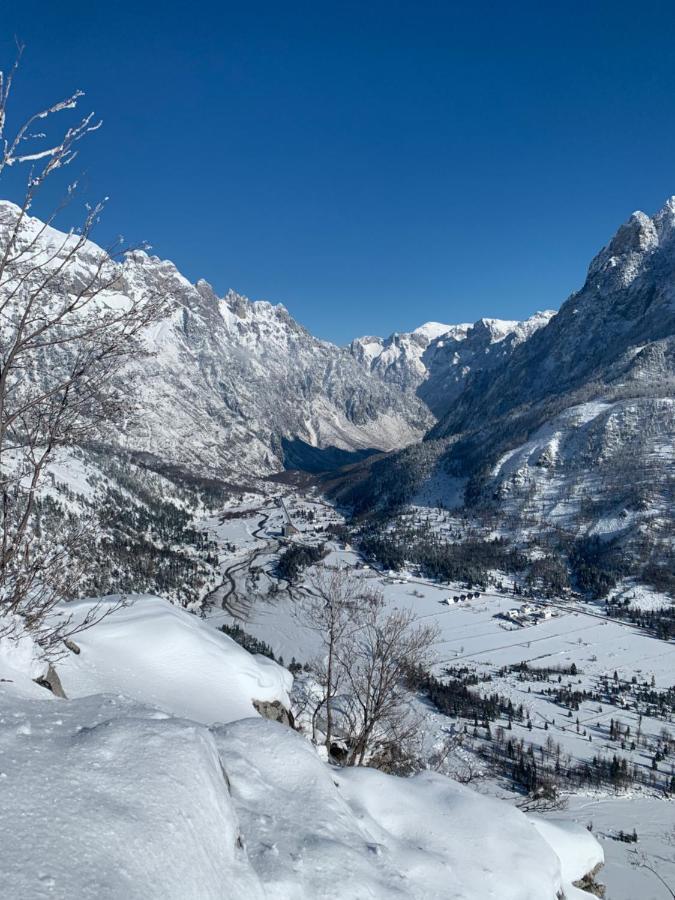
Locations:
67 332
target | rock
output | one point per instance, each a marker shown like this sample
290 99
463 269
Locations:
274 711
590 885
72 646
52 682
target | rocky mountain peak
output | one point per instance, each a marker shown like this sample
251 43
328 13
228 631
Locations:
623 258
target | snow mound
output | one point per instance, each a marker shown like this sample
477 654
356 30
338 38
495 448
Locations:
314 832
21 661
578 851
162 656
104 800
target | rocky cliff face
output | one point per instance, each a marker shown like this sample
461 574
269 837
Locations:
576 428
229 379
596 340
437 360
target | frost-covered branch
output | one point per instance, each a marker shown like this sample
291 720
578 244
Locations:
67 332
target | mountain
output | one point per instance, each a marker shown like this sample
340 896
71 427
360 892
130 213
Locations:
230 380
574 431
436 360
239 387
605 334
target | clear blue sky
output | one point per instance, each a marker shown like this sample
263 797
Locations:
371 165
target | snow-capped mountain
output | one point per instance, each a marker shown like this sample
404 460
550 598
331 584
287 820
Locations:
399 359
435 360
230 379
576 427
626 305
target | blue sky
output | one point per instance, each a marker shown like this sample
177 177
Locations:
371 165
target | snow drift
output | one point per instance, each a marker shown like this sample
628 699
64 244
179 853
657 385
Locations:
159 655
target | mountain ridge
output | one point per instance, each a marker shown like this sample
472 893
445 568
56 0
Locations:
232 383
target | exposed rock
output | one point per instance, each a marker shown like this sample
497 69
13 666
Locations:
590 885
274 711
52 682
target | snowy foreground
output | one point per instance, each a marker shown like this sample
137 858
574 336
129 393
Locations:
158 779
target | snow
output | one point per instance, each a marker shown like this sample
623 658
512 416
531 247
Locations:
78 474
156 654
652 820
20 658
435 358
432 330
576 848
356 833
640 596
123 793
104 800
450 841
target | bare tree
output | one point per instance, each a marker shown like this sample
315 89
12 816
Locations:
641 860
330 609
66 333
367 652
375 660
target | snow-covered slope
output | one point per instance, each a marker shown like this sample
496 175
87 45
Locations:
435 360
231 378
115 798
603 467
575 427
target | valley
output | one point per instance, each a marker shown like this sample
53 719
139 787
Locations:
591 697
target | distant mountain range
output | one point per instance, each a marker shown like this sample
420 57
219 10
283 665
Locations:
436 360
